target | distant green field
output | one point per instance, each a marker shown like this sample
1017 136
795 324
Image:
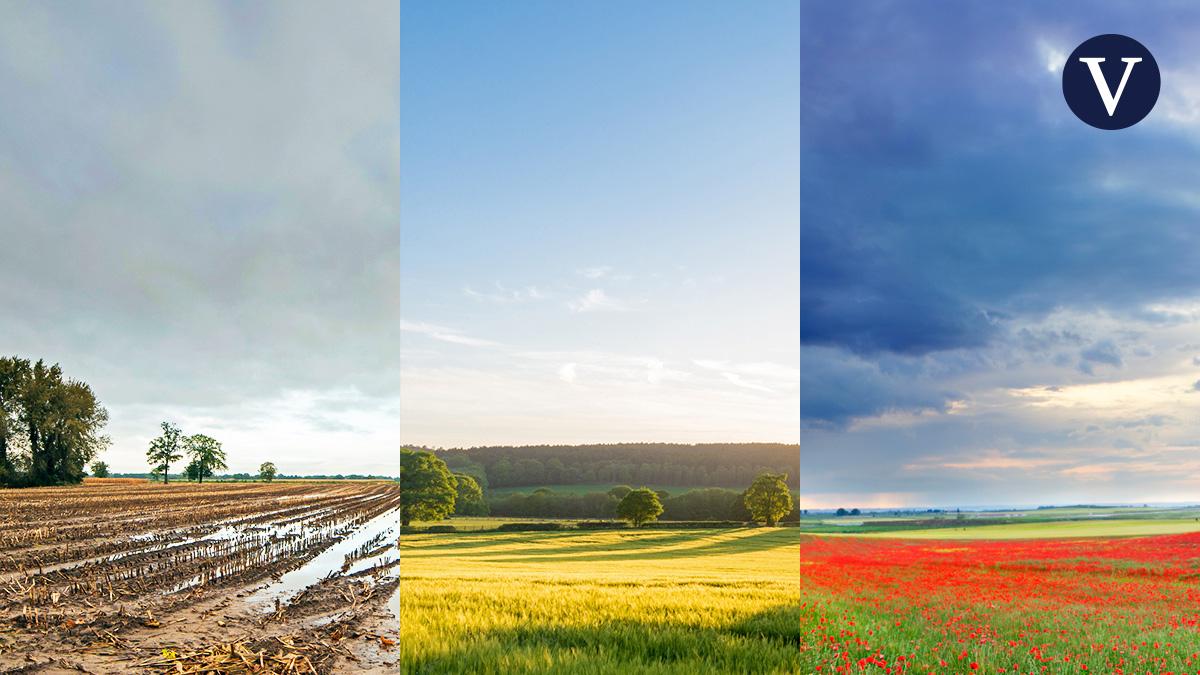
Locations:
588 488
585 603
470 523
1107 527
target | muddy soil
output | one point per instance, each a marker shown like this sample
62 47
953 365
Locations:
286 577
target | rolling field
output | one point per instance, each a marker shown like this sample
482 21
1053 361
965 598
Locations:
132 577
1054 529
657 602
1009 600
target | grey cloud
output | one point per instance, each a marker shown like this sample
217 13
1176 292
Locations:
1102 352
201 199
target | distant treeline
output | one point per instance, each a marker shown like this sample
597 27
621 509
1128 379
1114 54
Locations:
703 504
711 464
255 477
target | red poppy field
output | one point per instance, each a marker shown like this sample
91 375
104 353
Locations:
1127 605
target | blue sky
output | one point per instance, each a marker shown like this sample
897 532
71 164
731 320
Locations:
199 219
598 222
1000 304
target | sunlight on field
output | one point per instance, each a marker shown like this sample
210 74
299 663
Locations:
713 601
1078 528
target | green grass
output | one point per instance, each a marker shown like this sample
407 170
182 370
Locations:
473 523
658 602
1115 527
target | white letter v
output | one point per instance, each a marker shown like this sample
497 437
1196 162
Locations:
1110 101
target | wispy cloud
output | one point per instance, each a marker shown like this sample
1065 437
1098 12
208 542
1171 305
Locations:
739 381
444 334
596 300
766 377
500 294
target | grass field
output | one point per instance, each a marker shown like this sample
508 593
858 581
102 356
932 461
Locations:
1025 598
1053 529
654 602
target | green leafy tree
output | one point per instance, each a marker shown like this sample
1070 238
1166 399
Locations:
619 491
469 500
266 472
639 507
427 488
13 374
768 498
165 450
197 471
57 421
738 510
206 453
100 469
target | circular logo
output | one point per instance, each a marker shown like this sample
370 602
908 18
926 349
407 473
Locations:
1111 81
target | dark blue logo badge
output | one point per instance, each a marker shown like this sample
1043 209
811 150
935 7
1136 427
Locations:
1111 81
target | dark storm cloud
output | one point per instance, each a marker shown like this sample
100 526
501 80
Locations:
839 388
943 182
949 197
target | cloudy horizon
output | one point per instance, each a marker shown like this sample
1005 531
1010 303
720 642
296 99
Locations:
1001 305
200 221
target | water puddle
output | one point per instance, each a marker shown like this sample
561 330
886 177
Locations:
328 563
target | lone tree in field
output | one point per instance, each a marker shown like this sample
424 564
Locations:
49 425
469 500
100 469
266 472
166 449
768 498
427 488
206 454
639 507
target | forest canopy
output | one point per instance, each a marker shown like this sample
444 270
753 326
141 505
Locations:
681 464
50 425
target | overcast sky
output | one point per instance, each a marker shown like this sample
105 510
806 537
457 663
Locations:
599 222
198 217
1000 304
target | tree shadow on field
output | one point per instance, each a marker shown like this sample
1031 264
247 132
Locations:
647 549
542 546
480 539
765 642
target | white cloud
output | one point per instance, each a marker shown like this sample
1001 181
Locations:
738 380
444 334
596 300
567 373
502 295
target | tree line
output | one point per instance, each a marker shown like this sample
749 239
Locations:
673 464
430 491
50 425
206 453
698 504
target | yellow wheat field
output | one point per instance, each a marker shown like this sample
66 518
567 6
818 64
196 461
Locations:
654 601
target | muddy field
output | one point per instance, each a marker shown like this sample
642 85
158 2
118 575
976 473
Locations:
289 577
